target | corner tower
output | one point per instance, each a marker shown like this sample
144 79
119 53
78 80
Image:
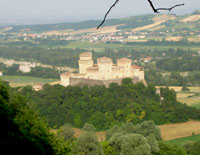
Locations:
85 61
126 64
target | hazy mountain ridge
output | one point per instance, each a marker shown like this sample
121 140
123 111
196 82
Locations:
124 23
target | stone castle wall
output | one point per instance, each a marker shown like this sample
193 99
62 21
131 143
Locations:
91 82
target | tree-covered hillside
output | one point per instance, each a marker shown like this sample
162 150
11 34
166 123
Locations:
105 107
24 132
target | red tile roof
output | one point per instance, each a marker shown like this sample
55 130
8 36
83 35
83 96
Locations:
136 67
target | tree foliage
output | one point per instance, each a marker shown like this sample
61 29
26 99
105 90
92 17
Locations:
192 148
140 139
87 143
23 130
170 149
104 107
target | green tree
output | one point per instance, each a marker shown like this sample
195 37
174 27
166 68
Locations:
170 149
107 148
66 132
192 148
130 144
87 144
23 130
88 128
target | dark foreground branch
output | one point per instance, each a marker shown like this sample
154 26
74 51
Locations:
151 4
107 14
157 10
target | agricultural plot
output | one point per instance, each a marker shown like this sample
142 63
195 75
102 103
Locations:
181 141
101 46
16 81
191 98
179 130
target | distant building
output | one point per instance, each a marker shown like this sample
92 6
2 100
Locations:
24 68
1 73
146 60
38 87
102 73
9 63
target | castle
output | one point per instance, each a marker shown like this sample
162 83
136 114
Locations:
102 73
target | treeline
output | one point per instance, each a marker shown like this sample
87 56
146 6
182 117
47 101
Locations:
38 43
59 57
129 139
69 57
105 107
182 64
182 42
37 71
173 79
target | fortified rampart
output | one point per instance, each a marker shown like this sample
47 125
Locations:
92 82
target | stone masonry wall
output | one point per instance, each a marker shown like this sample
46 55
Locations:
92 82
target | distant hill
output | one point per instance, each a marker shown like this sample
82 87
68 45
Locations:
130 22
151 22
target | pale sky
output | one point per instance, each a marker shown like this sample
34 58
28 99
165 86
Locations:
85 9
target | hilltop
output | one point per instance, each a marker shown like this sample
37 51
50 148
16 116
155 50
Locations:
150 22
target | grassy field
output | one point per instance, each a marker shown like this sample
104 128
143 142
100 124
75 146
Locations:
102 46
181 141
191 97
196 105
16 81
191 101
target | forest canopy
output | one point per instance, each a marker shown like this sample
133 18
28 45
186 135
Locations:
104 107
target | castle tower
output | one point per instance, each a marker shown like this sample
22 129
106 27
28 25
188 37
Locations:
65 79
105 68
138 72
85 62
126 64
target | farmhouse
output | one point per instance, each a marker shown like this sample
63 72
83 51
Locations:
102 73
